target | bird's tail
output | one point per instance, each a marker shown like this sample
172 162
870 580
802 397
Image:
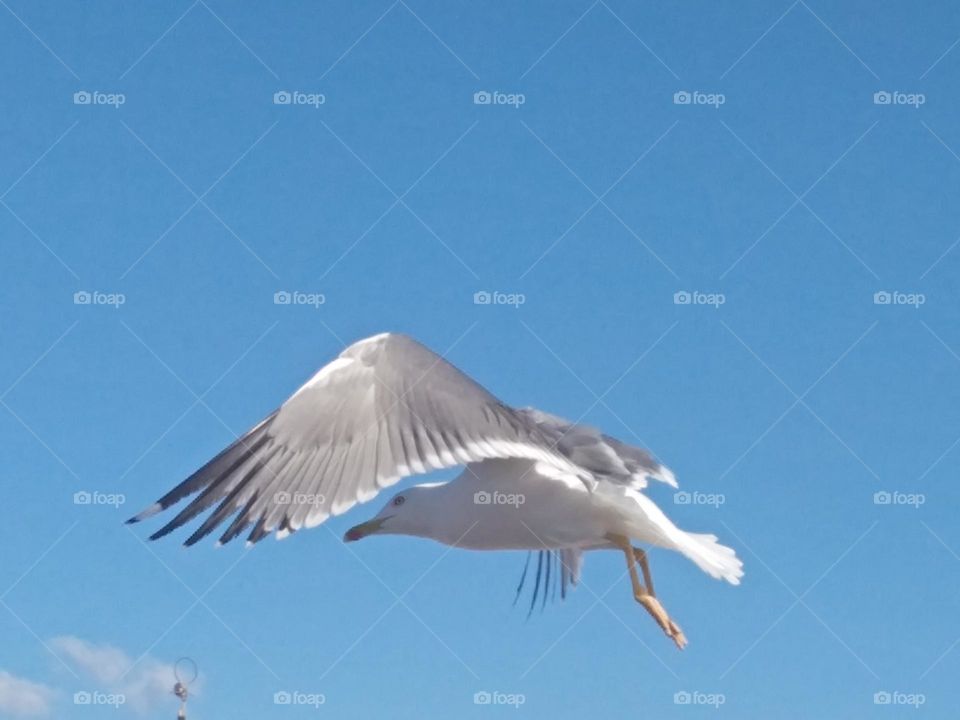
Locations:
715 559
652 526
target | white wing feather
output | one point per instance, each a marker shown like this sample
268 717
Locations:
387 407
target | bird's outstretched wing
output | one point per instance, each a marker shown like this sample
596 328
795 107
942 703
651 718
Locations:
387 407
604 457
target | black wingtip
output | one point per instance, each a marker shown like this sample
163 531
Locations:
145 513
164 531
553 576
523 578
536 584
199 535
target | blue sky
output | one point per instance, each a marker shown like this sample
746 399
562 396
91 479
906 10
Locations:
811 223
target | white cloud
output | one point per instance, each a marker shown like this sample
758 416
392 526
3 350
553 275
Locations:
145 684
23 698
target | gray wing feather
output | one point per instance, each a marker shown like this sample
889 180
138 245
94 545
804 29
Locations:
385 408
606 458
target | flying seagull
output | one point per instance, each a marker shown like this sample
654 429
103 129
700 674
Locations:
388 407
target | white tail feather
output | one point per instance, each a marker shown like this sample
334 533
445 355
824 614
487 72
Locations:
652 526
715 559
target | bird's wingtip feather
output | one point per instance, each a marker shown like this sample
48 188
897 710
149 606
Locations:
145 513
668 477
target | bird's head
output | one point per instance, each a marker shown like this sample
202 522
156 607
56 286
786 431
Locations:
407 513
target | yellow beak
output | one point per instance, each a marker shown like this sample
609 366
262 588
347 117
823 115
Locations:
358 532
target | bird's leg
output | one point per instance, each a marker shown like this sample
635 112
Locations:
643 596
641 558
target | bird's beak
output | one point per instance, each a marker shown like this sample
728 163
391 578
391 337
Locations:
358 532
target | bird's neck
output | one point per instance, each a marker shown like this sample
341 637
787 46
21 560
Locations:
443 514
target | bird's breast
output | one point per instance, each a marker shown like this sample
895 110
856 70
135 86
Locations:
510 505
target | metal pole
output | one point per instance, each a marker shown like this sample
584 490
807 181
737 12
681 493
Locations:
180 688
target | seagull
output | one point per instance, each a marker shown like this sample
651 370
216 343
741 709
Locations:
388 407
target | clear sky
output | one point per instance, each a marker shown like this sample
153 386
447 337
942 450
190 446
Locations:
735 152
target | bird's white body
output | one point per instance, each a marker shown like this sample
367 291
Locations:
388 407
511 504
520 504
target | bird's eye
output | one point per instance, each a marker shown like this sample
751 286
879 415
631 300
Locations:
399 500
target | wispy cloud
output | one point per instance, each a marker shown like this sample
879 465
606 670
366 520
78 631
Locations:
143 684
22 698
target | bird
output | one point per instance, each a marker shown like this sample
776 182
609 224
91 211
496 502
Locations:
388 407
